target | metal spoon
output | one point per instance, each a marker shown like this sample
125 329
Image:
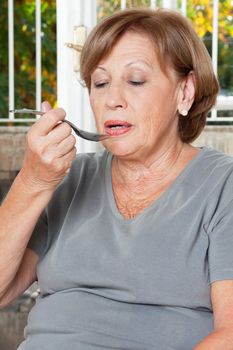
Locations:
81 133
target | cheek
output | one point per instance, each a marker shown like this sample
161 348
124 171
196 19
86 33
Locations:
95 105
92 100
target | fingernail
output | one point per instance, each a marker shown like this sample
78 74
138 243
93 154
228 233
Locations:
45 106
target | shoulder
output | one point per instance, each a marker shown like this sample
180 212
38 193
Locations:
214 166
217 158
209 179
213 176
219 170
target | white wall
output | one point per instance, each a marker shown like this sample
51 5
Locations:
71 96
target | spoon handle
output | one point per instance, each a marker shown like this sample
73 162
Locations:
90 136
27 111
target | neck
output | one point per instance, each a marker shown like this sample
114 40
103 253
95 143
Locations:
161 167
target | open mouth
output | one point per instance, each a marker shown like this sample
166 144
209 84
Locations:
117 127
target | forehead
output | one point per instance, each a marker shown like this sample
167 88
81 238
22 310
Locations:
132 45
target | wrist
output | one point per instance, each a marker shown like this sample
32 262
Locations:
30 191
25 200
34 186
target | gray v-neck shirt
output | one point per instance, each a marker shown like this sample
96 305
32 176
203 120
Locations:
144 283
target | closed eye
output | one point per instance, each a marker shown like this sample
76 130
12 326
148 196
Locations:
136 83
100 85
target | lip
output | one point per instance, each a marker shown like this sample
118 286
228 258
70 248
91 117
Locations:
111 129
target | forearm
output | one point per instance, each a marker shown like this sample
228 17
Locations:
217 340
18 215
50 150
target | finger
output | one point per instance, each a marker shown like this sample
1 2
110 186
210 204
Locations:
66 146
60 149
70 156
59 133
57 163
45 106
65 162
48 121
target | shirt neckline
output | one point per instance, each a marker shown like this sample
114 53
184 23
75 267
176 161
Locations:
171 189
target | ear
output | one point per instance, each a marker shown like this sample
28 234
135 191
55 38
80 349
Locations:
187 94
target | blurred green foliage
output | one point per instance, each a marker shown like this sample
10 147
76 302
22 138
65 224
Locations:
25 54
201 14
199 11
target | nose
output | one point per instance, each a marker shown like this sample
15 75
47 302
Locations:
115 97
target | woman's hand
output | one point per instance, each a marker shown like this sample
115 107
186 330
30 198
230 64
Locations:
50 151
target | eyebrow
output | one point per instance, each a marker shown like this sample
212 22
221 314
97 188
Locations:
129 64
139 61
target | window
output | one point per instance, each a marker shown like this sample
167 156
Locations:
28 47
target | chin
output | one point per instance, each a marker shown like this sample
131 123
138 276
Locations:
120 148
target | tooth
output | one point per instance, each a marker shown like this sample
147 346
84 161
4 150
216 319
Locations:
117 126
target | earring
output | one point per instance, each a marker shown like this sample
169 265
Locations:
184 112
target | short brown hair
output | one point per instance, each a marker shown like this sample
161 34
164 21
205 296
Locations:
177 45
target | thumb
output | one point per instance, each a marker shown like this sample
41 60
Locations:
45 106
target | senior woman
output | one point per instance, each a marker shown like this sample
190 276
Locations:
133 249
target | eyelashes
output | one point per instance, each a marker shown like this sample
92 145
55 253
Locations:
136 83
101 85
